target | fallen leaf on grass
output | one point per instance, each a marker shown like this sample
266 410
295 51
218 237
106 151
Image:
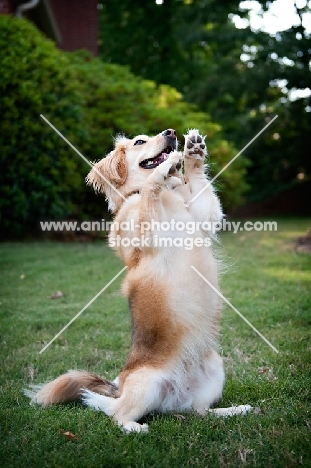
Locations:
180 416
57 295
243 454
262 370
69 435
31 371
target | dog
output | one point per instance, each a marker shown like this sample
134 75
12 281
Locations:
153 190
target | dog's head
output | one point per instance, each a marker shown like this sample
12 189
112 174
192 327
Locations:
126 168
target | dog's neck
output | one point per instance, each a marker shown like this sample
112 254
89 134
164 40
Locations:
127 195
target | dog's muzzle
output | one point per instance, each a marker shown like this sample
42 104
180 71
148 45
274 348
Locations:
171 142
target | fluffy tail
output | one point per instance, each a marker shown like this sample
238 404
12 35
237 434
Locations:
69 387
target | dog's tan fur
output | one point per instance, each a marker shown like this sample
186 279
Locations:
172 363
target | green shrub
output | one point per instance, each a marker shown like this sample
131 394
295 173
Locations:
88 102
39 172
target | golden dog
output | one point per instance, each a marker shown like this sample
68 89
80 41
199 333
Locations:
172 363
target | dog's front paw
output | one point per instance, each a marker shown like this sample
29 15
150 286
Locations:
174 161
171 167
195 147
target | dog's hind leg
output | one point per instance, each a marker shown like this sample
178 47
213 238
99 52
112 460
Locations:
209 392
141 393
211 378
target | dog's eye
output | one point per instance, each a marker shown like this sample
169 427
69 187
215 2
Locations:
139 142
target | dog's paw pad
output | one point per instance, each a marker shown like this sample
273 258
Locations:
172 165
175 168
195 146
196 139
168 173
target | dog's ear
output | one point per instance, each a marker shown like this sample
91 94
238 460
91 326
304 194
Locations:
110 171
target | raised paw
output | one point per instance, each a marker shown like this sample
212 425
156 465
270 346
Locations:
195 147
171 167
174 160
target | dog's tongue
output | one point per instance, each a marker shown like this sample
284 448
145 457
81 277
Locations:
161 158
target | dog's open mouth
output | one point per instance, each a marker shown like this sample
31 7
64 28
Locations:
157 160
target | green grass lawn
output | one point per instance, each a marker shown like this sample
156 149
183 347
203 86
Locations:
266 280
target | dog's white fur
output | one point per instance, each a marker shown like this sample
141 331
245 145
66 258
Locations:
173 363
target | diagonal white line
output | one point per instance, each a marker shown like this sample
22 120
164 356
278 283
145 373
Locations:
235 310
233 159
83 157
82 310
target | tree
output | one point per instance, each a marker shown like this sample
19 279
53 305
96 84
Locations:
241 77
159 42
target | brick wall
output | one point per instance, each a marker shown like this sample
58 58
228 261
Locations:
77 23
5 7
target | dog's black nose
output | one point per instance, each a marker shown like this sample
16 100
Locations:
170 132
